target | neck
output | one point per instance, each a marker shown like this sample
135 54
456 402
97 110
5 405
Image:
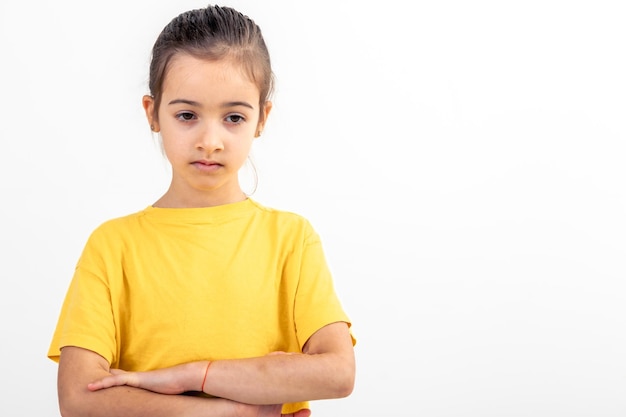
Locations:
173 199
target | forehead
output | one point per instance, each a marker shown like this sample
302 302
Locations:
201 77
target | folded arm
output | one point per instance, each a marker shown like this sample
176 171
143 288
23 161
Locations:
326 370
77 367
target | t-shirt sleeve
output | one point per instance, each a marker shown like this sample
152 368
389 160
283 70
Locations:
86 318
316 304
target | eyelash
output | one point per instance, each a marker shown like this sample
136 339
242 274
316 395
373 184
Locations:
183 117
240 118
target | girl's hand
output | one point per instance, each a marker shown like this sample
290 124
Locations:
164 381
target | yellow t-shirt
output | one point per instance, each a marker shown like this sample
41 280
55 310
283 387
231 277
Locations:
167 286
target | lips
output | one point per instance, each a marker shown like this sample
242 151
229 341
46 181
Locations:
207 166
207 163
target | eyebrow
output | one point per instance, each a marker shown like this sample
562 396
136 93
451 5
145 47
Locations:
225 105
184 101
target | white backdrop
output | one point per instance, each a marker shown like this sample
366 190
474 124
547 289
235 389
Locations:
463 162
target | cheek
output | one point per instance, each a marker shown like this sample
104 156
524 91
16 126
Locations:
242 149
170 148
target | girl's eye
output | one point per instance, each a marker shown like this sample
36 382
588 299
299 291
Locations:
185 116
235 119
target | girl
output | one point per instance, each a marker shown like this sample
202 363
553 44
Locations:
206 292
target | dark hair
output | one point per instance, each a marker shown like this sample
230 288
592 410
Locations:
212 33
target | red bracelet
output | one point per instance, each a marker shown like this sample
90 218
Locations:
205 374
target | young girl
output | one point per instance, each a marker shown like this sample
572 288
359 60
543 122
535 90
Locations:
206 292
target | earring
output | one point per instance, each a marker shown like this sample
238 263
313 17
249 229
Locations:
259 133
152 127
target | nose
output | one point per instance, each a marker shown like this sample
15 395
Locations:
209 139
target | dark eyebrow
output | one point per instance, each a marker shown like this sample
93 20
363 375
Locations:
184 101
225 105
238 103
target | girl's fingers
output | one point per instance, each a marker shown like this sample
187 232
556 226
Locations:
117 378
116 371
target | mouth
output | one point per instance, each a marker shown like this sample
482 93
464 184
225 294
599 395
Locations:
207 166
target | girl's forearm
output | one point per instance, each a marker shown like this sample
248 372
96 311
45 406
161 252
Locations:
78 366
130 401
277 378
326 370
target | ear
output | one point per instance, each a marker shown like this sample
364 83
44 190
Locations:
148 107
264 114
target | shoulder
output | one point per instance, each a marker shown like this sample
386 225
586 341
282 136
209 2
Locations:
284 216
107 242
116 227
286 221
121 221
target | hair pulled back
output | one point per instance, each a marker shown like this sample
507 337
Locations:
212 33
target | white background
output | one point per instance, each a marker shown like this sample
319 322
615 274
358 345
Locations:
463 162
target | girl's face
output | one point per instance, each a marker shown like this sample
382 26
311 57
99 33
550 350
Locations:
208 118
